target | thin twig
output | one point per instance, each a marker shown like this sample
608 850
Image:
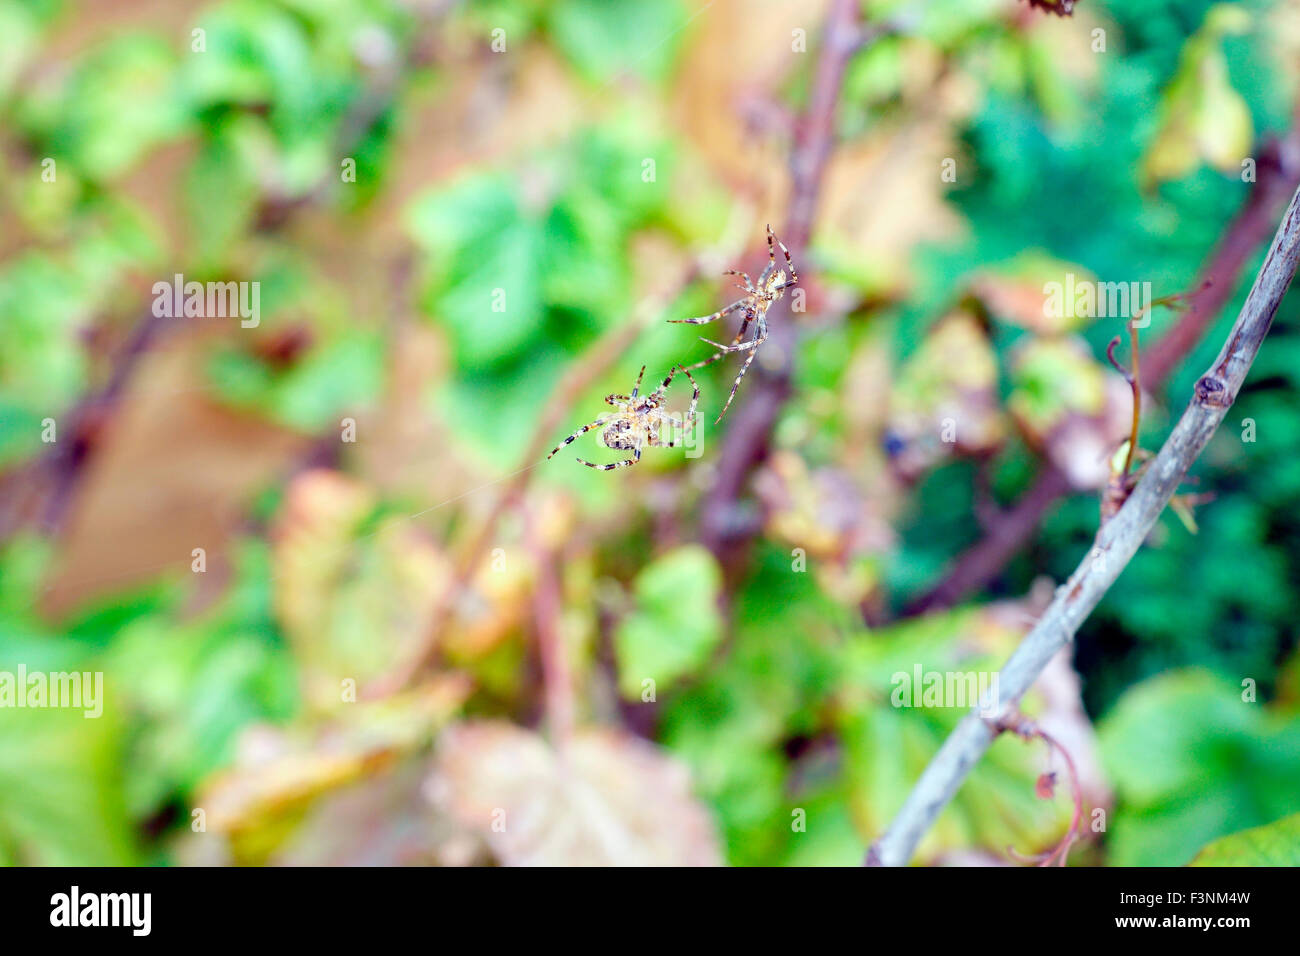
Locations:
43 490
552 651
1114 546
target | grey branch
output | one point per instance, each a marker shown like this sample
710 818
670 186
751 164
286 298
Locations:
1116 543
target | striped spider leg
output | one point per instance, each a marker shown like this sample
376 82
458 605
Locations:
759 338
688 423
744 326
636 423
758 298
579 433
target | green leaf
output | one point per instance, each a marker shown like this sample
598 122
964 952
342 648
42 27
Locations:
525 269
116 104
1203 119
196 684
675 624
1273 844
487 290
1052 378
61 799
61 780
606 37
1192 761
732 726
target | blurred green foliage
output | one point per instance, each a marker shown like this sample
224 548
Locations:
770 688
1192 761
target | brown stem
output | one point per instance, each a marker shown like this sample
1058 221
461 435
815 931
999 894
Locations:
1135 383
557 678
723 528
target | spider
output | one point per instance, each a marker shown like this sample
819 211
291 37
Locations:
758 298
637 422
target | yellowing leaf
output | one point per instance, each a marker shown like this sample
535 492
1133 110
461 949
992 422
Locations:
1202 119
353 604
945 396
1037 293
601 799
1054 377
254 806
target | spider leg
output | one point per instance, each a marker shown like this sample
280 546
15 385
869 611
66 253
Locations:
637 387
689 422
794 275
716 315
672 374
733 347
747 285
703 362
636 456
617 399
758 340
744 326
695 399
668 380
578 434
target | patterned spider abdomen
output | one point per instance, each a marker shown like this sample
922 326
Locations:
619 435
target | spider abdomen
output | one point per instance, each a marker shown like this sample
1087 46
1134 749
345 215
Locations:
619 436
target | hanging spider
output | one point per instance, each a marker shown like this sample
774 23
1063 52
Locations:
638 421
758 298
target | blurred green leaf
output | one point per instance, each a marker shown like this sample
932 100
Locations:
526 269
492 296
1191 761
732 727
61 796
675 623
115 104
18 41
1202 118
888 742
604 38
1051 379
1273 844
195 684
